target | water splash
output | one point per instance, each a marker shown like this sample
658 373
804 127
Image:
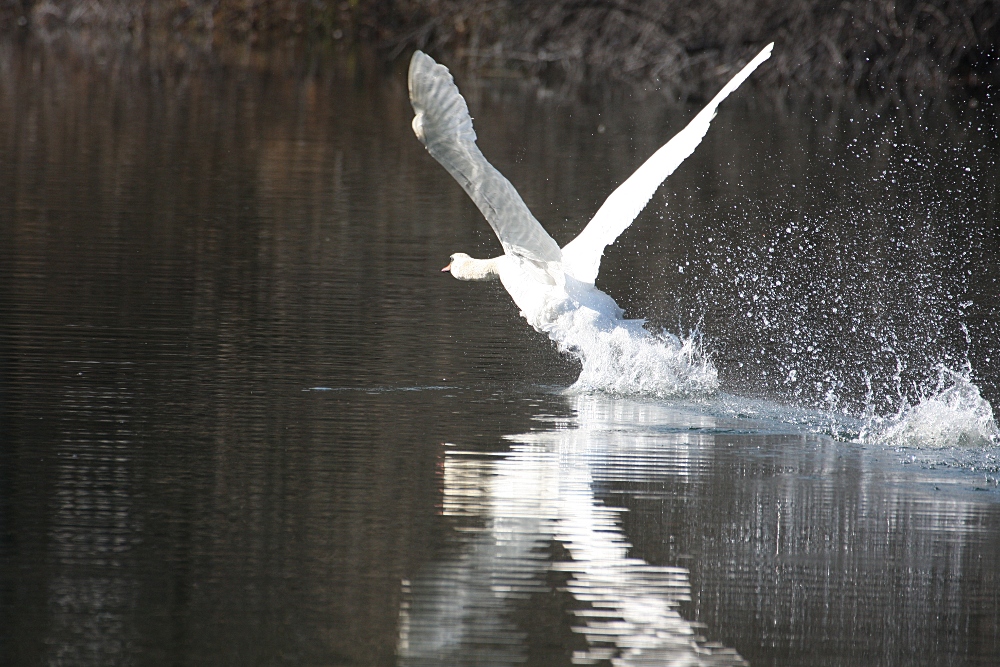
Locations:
953 414
863 265
623 357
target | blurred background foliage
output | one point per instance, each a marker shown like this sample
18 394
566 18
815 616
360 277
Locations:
683 48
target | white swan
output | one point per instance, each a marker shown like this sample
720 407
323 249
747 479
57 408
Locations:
553 287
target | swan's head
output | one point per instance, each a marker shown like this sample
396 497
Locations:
418 125
464 267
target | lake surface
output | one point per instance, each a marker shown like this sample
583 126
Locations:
245 420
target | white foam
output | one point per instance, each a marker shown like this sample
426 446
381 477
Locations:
954 414
622 357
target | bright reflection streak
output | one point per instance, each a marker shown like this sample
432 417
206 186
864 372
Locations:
512 507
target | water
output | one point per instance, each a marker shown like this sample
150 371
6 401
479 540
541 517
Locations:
244 419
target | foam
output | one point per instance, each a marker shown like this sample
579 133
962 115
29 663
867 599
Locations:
954 414
622 357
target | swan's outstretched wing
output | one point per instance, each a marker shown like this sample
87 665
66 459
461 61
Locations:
443 125
582 255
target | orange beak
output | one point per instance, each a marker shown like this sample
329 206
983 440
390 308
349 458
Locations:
447 268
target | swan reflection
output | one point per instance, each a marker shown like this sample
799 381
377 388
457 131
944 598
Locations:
529 517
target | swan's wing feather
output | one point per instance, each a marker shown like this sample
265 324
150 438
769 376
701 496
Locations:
443 125
582 255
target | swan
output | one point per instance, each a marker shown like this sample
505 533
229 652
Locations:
553 287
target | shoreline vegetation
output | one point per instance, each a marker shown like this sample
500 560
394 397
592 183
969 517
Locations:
684 49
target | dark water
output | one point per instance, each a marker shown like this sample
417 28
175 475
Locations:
244 420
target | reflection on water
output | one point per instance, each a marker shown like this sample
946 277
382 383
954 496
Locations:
798 537
185 255
93 528
514 511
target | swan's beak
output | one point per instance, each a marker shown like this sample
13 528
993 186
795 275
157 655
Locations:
447 268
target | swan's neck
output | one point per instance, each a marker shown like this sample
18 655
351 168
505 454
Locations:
470 268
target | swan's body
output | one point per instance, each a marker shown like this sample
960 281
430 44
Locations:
553 286
541 304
